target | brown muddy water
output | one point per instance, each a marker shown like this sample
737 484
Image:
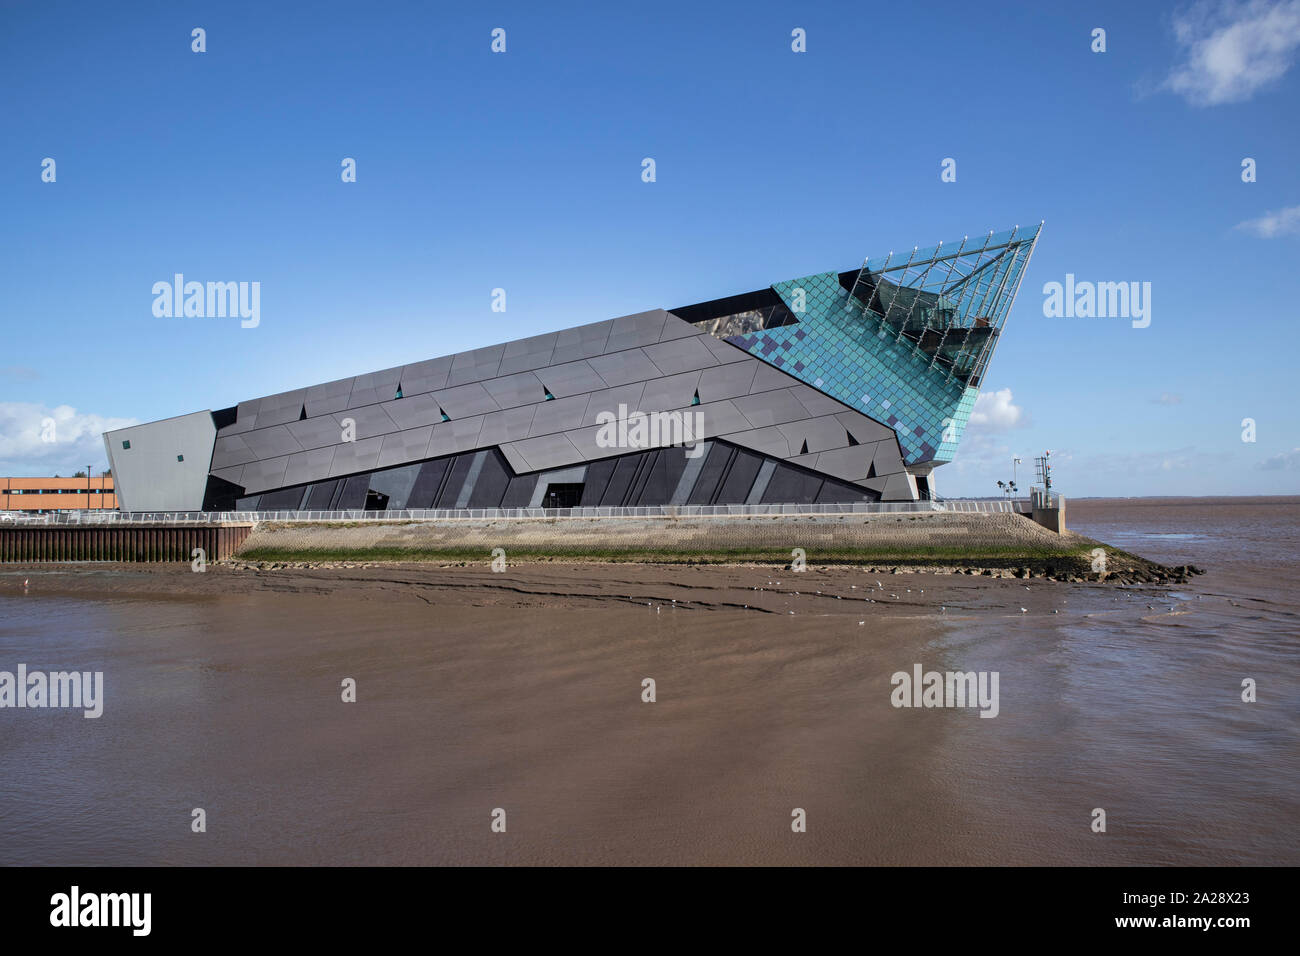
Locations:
523 691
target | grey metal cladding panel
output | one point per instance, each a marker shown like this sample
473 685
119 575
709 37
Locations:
233 475
818 403
529 346
851 464
516 460
609 399
875 484
513 424
556 416
585 440
719 419
727 381
771 408
725 351
680 355
675 328
280 408
402 447
316 432
620 368
511 391
476 365
767 378
264 475
547 451
290 399
355 456
245 424
466 400
581 342
524 363
372 380
340 386
630 331
769 441
245 419
522 355
361 397
862 428
820 434
426 376
413 411
457 435
371 421
271 442
887 460
592 332
573 378
229 451
385 377
307 466
278 416
897 488
476 373
573 353
674 391
808 461
325 404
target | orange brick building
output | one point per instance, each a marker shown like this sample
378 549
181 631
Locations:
57 494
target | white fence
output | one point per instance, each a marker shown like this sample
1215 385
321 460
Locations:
489 514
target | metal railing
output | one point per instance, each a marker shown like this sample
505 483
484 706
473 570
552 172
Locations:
491 514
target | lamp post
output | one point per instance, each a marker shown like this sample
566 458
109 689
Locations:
1014 462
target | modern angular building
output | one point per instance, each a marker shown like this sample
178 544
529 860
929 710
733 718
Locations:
836 387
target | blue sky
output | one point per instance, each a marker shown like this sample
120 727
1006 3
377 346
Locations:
522 171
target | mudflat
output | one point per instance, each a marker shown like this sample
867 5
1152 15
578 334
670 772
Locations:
524 691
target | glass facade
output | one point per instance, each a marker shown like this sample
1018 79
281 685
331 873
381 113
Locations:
909 342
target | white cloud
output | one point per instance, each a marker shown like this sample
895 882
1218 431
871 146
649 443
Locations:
36 439
1285 461
1232 49
996 412
1168 398
1284 222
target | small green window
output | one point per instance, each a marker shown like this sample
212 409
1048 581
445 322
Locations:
180 457
126 446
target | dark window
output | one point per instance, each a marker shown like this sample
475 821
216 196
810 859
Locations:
376 501
180 457
126 445
563 496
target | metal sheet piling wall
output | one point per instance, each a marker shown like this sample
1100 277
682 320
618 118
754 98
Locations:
144 543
